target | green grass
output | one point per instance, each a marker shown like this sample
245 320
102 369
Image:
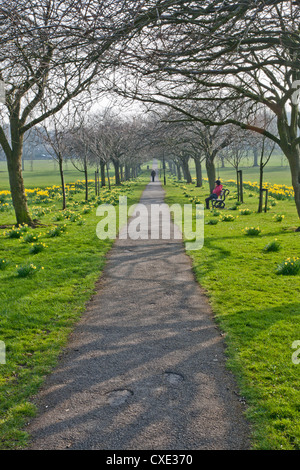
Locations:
44 173
42 295
257 309
276 171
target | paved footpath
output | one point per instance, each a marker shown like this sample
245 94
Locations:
145 367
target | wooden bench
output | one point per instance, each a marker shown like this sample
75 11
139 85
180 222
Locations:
220 202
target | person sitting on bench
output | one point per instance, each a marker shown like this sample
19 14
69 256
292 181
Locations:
215 194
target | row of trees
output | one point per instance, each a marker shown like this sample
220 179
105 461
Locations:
213 60
226 65
95 140
183 141
53 53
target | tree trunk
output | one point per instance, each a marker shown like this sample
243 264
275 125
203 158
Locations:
117 172
178 171
127 172
86 182
255 155
260 203
14 166
186 170
211 172
296 187
17 189
62 178
102 171
107 172
294 162
198 172
287 135
96 181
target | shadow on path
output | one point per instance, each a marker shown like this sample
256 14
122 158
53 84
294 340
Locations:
145 367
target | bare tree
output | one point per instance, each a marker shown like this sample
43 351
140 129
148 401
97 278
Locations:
78 145
264 148
55 136
52 52
236 50
201 142
237 151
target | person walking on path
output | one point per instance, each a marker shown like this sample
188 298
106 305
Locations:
153 174
215 194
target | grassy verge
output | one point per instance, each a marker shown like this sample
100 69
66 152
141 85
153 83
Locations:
258 309
45 283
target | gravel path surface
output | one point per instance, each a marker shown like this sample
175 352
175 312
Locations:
145 367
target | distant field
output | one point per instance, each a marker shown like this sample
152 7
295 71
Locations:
276 172
272 174
45 172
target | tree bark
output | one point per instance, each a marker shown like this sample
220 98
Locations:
237 183
117 172
14 166
255 156
127 172
288 133
211 172
62 178
17 189
294 162
178 171
107 172
86 182
198 172
102 171
186 170
261 172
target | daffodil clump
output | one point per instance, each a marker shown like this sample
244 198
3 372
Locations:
272 246
252 231
3 263
212 222
86 210
276 191
56 231
58 217
4 195
227 218
291 266
278 217
30 238
110 196
16 232
37 248
245 211
4 207
40 211
28 269
195 200
215 213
